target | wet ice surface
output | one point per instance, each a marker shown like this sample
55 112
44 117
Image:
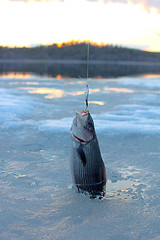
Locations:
37 200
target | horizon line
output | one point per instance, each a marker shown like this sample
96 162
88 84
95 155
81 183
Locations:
75 42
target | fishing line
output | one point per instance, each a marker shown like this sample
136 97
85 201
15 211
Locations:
87 60
87 88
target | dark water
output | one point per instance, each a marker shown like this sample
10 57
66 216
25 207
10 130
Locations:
112 69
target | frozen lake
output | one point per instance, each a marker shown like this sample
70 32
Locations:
37 200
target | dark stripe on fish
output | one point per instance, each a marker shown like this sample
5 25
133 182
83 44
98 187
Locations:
81 155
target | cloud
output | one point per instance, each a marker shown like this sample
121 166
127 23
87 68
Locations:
153 3
40 0
147 3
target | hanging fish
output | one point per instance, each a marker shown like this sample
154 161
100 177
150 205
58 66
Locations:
87 166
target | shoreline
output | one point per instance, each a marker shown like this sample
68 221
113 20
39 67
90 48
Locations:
76 62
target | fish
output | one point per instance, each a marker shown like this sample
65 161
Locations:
87 166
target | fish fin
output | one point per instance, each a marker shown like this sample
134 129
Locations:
81 155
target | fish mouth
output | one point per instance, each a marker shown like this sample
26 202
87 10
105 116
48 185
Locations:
79 129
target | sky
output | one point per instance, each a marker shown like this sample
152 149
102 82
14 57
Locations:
130 23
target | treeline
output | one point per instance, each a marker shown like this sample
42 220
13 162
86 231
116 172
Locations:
78 51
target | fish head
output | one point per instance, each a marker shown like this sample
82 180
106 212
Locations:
83 127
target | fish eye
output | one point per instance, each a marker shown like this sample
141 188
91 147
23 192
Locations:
90 124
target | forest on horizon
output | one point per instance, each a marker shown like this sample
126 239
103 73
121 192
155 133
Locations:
78 51
71 59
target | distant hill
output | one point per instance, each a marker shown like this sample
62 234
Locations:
70 60
78 51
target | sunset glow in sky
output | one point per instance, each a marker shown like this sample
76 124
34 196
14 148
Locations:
130 23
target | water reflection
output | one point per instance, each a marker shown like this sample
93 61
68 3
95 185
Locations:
59 70
118 90
97 102
94 90
23 83
23 75
77 93
20 176
58 93
151 76
53 93
59 76
82 92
